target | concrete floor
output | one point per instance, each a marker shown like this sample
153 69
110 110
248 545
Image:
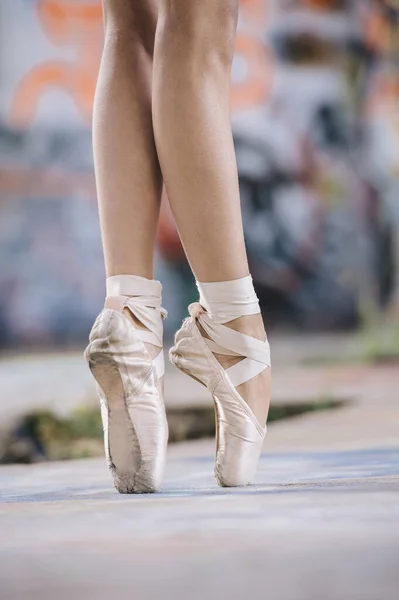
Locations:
316 525
320 523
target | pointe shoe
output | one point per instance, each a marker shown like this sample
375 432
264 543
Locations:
239 435
132 407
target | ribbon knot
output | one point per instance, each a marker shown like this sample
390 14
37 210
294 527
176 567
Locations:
196 310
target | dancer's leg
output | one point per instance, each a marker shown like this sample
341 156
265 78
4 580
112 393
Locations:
129 187
127 170
193 52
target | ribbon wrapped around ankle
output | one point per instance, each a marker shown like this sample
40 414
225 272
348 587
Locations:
228 300
220 303
144 300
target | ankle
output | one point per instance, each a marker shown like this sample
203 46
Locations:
139 299
251 325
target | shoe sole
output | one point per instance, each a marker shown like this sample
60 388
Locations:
123 445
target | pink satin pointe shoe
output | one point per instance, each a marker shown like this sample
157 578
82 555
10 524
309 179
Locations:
239 435
128 383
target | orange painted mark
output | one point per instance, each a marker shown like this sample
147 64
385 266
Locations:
254 12
41 79
384 103
378 32
65 9
255 88
321 4
76 23
385 96
79 23
61 17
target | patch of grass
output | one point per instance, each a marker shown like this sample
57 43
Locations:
371 345
285 411
380 334
381 345
42 435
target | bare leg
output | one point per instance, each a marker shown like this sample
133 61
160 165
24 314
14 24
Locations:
128 181
127 170
193 52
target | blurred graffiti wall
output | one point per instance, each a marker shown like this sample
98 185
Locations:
315 115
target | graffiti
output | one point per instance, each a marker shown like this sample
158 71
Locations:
76 24
49 248
326 5
254 88
314 217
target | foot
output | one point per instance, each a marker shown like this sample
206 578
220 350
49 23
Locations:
120 356
152 350
257 391
200 347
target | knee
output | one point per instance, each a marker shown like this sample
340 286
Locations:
205 28
131 22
